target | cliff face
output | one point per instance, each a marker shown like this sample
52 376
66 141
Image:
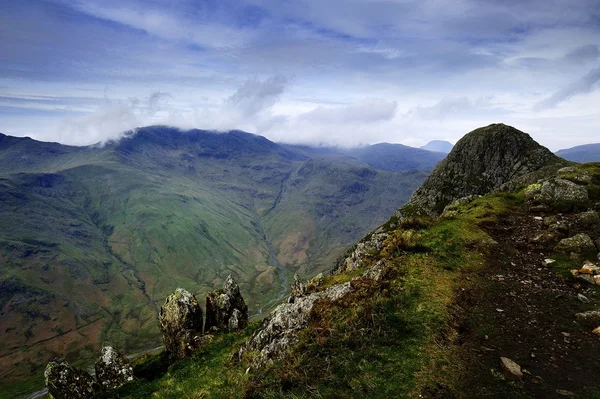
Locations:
481 162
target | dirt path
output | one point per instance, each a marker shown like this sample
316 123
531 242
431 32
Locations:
522 309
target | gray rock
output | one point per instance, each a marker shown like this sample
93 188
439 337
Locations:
356 256
510 369
113 369
575 175
579 244
226 309
562 195
376 272
582 298
588 219
280 329
298 289
591 318
180 321
66 382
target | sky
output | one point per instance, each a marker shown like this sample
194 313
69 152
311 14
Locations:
320 72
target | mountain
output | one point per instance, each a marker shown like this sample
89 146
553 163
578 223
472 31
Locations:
92 239
581 153
382 156
438 146
497 297
479 163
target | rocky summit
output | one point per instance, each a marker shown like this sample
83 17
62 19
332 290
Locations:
481 162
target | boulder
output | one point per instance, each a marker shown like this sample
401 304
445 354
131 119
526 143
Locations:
510 369
575 175
113 369
562 195
590 318
580 244
298 289
66 382
180 321
588 219
226 309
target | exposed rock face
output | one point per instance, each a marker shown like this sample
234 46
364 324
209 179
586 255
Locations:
226 309
113 370
66 382
180 320
298 289
578 244
575 175
558 194
280 329
354 258
479 163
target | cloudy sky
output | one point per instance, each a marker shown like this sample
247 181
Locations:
342 72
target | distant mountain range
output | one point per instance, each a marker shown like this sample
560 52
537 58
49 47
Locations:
581 153
438 146
92 239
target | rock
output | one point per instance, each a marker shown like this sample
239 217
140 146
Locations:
532 190
548 262
590 318
376 272
66 382
298 289
580 244
511 370
226 309
588 219
180 321
596 331
562 195
113 369
564 392
454 208
280 329
354 258
575 175
582 298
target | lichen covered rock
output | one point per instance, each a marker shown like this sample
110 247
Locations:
562 195
298 288
226 309
356 255
180 320
588 219
280 329
575 175
580 244
66 382
113 369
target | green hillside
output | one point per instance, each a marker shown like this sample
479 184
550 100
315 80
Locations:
93 238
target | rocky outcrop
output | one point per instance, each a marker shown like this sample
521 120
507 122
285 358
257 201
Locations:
113 369
280 329
355 257
226 310
298 288
481 162
66 382
558 194
180 320
575 175
580 244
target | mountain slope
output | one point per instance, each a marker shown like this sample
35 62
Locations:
91 238
427 307
581 153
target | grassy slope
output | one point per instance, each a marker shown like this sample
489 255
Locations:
395 339
92 239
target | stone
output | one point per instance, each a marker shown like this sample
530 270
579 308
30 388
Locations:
180 320
575 175
590 318
298 289
280 330
226 309
510 369
578 244
354 258
113 369
376 272
582 298
562 195
66 382
564 392
596 331
588 219
548 262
